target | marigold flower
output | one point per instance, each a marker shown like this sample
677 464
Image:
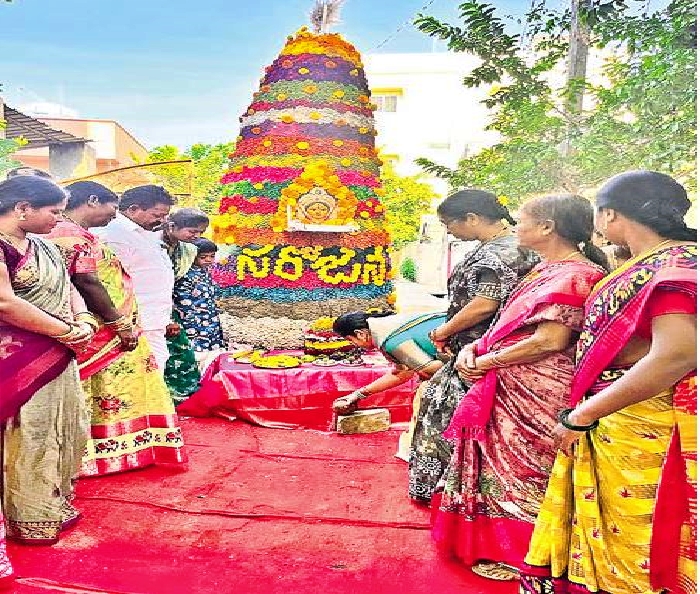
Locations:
303 145
310 89
338 143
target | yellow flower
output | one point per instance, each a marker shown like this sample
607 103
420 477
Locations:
303 145
339 94
338 143
258 186
267 143
287 119
314 115
310 89
502 200
363 130
364 214
303 71
354 72
281 97
346 162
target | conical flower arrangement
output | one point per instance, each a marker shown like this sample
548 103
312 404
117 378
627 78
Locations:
302 199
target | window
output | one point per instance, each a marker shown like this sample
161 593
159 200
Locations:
387 98
386 103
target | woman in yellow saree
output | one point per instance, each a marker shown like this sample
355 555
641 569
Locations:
619 512
134 423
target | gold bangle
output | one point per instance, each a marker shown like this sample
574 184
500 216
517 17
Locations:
116 322
87 318
64 335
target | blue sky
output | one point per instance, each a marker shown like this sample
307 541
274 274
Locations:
176 71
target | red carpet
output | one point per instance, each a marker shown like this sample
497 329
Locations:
258 511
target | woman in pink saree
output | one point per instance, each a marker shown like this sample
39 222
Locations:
42 407
520 373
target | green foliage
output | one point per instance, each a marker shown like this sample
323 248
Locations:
406 200
409 270
643 115
7 147
210 162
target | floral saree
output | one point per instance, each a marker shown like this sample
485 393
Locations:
43 443
620 516
133 419
498 474
182 374
492 271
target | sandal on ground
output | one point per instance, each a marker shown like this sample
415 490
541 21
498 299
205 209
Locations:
496 571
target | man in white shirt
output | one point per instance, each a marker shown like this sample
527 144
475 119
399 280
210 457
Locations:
143 255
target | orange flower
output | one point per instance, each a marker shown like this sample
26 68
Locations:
363 99
363 150
391 298
256 130
310 89
287 63
254 200
251 111
330 64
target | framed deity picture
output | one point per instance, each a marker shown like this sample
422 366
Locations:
316 211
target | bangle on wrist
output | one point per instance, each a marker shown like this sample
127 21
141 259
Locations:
65 334
87 318
563 418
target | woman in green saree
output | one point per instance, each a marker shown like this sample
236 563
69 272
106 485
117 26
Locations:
182 372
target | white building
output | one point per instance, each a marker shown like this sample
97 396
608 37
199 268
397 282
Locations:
425 110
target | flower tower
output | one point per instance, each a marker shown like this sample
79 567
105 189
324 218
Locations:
302 201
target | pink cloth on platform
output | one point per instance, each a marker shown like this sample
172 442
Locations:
290 398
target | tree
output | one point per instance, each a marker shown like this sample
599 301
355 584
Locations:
642 114
209 163
7 147
406 200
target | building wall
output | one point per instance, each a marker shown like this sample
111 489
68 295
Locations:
113 146
435 115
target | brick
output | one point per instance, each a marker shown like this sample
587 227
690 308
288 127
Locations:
369 420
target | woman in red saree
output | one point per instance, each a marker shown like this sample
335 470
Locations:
620 511
520 372
42 405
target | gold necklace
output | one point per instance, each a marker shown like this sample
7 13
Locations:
568 256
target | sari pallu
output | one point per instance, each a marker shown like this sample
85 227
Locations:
498 473
28 361
623 508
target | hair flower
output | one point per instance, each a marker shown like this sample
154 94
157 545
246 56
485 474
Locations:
502 200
